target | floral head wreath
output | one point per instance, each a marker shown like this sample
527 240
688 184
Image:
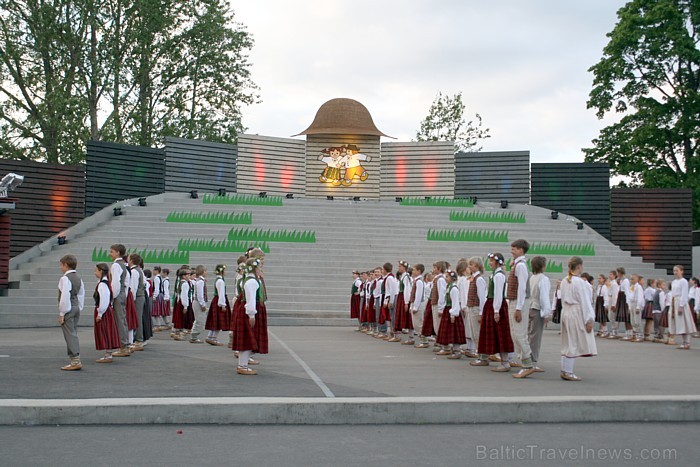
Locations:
251 267
220 269
451 273
404 264
496 258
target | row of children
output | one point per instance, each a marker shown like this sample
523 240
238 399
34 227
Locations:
128 305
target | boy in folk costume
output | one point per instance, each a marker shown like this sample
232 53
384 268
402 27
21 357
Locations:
378 296
390 290
417 304
362 319
118 273
157 295
132 321
71 300
199 304
353 166
250 320
219 315
636 305
451 333
601 305
622 311
437 299
516 295
137 286
661 317
106 334
494 335
148 304
540 308
476 299
402 315
613 292
680 319
355 298
427 330
648 312
577 318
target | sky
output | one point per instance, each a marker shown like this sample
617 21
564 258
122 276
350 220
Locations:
521 64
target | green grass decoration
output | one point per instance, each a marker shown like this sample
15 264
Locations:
149 256
481 216
441 202
219 246
465 235
210 217
563 249
252 200
267 235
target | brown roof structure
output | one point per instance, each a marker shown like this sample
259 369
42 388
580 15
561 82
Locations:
343 117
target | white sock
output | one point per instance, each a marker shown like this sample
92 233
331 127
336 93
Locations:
243 358
131 336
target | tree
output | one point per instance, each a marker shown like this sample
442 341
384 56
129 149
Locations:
446 122
650 75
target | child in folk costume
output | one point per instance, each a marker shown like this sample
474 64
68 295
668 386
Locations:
661 318
680 319
177 319
355 298
118 272
167 318
367 315
390 291
451 333
463 275
518 306
622 311
106 334
476 299
219 316
137 287
601 305
648 311
577 318
199 304
613 292
540 308
417 304
402 315
437 300
157 296
182 303
250 319
71 300
427 328
494 335
132 320
694 300
377 294
237 290
148 305
556 304
636 305
362 319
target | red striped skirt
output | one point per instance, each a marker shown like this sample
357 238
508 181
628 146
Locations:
623 310
132 321
601 314
188 318
495 337
428 329
106 333
402 315
218 318
178 316
158 306
449 332
663 321
355 306
246 337
166 307
648 312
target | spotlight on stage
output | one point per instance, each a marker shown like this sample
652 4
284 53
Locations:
474 199
555 215
10 182
222 191
61 239
356 198
427 198
504 203
579 225
263 194
329 198
399 199
290 195
142 202
193 194
117 211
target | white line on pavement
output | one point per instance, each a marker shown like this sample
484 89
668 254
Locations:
306 367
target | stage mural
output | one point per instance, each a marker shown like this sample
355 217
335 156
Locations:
343 165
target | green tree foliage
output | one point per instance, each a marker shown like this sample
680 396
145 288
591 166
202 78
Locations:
446 122
126 71
650 75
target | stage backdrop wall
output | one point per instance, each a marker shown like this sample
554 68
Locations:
51 199
580 190
493 176
274 165
199 165
656 224
120 171
418 169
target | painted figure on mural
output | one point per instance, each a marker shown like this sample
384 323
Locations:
344 163
353 166
332 158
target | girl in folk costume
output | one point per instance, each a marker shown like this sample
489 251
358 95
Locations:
463 274
106 333
577 318
177 320
182 303
636 305
427 329
377 294
250 320
494 335
219 316
437 298
363 302
476 299
601 305
166 311
622 310
132 320
157 296
648 311
680 319
237 290
355 298
540 308
148 305
416 305
402 315
556 304
367 279
451 333
661 318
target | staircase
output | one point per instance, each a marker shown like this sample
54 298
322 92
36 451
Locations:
308 283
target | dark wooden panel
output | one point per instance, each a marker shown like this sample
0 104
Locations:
655 224
493 176
199 165
120 171
51 199
5 221
580 190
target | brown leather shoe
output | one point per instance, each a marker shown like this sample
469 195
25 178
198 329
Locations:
516 365
72 366
501 369
479 362
524 373
246 371
444 352
495 358
538 369
422 345
469 354
569 377
103 360
394 339
196 341
409 342
454 356
253 362
123 352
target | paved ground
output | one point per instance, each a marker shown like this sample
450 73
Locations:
377 445
348 363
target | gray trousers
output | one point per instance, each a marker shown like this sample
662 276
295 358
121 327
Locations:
200 318
377 311
140 304
535 328
70 332
120 318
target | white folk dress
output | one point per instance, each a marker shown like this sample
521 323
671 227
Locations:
576 310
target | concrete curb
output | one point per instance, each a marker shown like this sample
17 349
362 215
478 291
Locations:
349 411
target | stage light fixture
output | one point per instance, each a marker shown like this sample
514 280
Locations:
399 199
117 211
193 194
263 194
504 203
61 239
222 191
555 215
142 202
10 182
329 198
579 225
473 199
290 195
427 198
356 198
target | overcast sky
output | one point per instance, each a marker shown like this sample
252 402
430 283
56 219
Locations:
521 64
